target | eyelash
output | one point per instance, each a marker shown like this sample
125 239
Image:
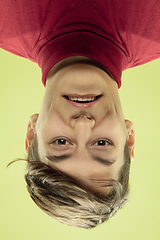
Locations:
102 140
59 139
95 144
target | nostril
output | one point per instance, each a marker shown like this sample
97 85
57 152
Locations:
82 120
89 118
75 117
83 116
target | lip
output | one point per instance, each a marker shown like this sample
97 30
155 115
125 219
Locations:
82 95
82 105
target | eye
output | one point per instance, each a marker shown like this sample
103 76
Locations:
61 142
102 143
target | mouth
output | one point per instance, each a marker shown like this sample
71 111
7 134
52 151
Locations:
82 100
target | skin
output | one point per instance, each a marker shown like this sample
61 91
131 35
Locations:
83 132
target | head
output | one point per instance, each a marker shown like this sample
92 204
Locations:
86 145
65 200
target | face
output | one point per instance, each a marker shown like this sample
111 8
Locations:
84 140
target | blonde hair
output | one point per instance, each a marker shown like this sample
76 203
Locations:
66 201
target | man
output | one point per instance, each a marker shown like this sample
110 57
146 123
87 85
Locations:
79 146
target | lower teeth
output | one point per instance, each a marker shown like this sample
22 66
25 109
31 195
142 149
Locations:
82 101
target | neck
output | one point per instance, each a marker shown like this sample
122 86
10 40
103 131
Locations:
76 60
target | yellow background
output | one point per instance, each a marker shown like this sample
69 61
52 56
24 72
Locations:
21 93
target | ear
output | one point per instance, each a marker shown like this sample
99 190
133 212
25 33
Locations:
130 138
30 131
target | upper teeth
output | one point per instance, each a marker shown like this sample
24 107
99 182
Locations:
82 99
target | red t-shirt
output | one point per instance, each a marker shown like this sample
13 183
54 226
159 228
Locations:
118 34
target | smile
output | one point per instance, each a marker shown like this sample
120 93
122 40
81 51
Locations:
82 101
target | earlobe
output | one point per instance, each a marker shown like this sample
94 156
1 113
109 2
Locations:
31 128
130 138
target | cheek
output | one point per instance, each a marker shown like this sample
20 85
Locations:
54 126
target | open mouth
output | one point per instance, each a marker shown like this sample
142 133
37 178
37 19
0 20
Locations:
82 99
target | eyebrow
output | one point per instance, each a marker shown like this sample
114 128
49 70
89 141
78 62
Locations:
54 158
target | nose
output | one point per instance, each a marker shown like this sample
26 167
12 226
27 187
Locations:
82 127
82 121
